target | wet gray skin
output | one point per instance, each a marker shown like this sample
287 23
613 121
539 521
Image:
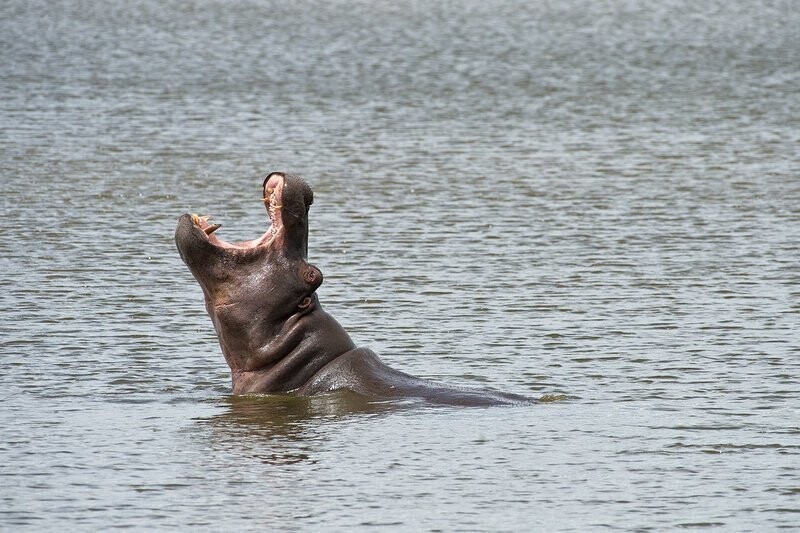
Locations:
274 333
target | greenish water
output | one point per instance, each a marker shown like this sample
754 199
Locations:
597 203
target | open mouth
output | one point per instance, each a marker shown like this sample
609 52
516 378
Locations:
272 198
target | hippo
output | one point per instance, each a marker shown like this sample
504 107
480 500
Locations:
275 335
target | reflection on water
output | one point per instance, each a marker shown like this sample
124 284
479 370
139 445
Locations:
271 422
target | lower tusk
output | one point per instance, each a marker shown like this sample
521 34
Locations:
211 229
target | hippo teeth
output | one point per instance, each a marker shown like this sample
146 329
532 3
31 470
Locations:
201 221
273 203
273 207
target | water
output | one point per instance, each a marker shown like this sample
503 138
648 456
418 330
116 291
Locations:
597 203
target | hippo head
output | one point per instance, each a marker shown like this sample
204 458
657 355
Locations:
287 200
253 288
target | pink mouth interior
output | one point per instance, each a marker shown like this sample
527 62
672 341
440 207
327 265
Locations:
273 193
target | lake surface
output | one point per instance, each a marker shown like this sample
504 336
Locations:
596 203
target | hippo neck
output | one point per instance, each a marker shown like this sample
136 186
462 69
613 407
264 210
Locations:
294 354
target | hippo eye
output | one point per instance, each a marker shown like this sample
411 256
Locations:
310 276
